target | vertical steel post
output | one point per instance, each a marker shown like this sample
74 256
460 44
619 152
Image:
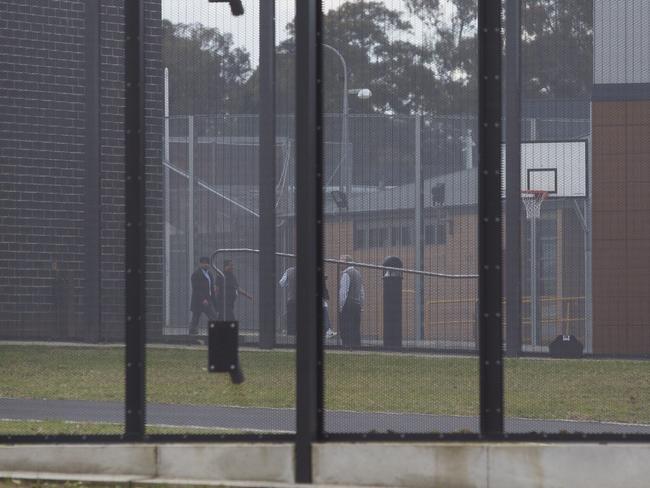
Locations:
92 262
513 177
346 169
589 305
267 227
489 218
309 220
190 199
167 207
419 226
135 218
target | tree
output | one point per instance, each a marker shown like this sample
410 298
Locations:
207 73
373 41
556 46
557 49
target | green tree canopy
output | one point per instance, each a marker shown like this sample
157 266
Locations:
557 53
207 72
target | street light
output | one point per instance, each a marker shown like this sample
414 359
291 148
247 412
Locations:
363 94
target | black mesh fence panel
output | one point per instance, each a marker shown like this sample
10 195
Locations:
400 194
212 145
62 217
584 121
401 349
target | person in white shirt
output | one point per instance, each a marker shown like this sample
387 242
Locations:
351 299
288 282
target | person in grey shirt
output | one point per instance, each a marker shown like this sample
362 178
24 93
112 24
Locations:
351 298
288 282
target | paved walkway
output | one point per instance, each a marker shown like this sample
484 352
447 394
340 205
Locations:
283 419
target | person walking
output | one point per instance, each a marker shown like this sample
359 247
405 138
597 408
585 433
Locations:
351 298
327 326
288 282
231 289
204 295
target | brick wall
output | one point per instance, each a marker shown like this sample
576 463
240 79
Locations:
44 163
41 158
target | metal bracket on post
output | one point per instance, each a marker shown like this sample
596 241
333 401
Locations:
223 350
236 7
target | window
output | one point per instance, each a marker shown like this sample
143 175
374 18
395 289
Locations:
359 238
547 256
394 236
547 249
429 234
406 236
377 237
435 234
441 234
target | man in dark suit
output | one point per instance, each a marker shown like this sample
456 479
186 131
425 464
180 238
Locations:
231 289
205 292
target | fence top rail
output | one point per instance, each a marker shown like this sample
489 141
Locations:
348 263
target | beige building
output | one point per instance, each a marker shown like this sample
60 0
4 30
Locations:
381 222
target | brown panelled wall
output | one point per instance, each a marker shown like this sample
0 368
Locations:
621 227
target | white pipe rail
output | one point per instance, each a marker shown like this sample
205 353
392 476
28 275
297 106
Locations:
338 261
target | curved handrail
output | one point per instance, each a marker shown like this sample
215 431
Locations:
244 250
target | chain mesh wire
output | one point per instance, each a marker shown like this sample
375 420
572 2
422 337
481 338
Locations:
409 176
580 302
400 173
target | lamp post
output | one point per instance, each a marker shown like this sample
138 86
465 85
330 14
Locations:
345 184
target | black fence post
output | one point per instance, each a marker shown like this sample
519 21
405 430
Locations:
92 288
309 244
267 234
135 218
392 281
489 223
513 177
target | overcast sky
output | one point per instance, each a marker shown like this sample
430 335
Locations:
244 28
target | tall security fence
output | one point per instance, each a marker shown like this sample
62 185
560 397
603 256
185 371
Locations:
318 222
212 180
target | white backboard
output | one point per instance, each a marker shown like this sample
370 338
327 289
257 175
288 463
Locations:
559 168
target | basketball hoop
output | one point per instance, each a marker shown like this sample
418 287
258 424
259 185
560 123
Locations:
533 202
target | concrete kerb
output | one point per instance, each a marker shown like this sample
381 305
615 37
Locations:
488 465
483 465
232 462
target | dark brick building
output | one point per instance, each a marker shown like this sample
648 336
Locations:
62 169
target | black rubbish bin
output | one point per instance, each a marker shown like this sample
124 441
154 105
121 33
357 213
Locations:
392 303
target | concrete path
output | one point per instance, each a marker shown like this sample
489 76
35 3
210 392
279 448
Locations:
283 419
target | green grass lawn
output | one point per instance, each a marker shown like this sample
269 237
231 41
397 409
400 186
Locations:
37 427
603 390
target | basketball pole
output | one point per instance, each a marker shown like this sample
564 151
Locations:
533 281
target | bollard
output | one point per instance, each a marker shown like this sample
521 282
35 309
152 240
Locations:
393 303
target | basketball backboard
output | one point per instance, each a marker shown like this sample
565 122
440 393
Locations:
557 167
